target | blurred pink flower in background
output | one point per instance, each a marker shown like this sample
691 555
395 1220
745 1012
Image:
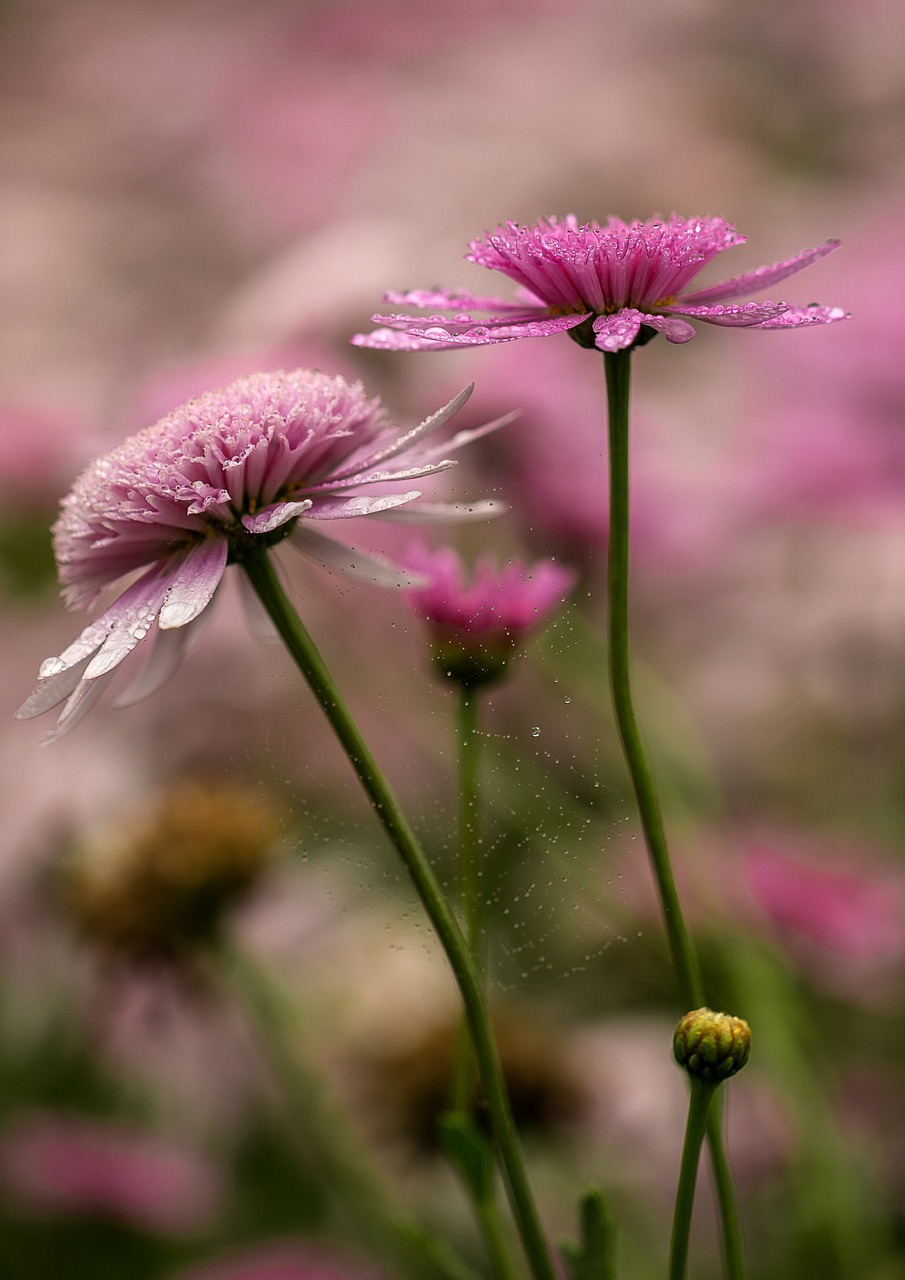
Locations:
283 1260
839 911
614 281
62 1164
513 600
475 626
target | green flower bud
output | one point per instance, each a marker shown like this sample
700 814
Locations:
711 1046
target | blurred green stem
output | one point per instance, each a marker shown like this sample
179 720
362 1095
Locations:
355 1186
684 956
266 584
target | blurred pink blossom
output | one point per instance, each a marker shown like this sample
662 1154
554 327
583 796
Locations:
854 912
56 1163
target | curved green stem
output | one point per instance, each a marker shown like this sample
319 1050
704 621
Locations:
682 950
698 1106
308 660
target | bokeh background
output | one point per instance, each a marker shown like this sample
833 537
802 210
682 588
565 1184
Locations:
195 189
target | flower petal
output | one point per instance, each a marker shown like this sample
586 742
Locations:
673 329
131 617
270 518
619 330
409 438
761 277
439 337
445 512
799 317
735 315
54 688
80 703
328 508
344 559
194 584
452 300
168 650
383 477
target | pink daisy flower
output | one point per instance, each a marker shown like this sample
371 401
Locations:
611 287
475 627
270 457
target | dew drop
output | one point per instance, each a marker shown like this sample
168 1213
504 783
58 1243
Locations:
535 732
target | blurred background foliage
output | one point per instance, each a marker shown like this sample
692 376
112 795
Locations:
197 189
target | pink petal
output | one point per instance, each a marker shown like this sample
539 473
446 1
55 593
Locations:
405 441
342 508
618 331
440 337
166 656
80 703
54 688
454 300
344 559
742 315
799 317
445 512
269 518
131 617
194 584
673 329
382 477
461 322
761 277
389 340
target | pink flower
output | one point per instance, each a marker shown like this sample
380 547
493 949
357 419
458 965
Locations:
613 286
226 475
476 627
64 1164
859 916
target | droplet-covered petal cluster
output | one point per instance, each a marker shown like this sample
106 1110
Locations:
226 475
611 286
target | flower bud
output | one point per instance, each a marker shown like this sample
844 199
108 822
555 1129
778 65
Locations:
711 1046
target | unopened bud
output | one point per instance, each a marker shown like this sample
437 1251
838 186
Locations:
711 1046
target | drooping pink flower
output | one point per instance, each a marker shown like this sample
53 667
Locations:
475 626
268 457
66 1164
613 286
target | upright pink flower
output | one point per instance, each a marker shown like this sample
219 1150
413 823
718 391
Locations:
612 286
222 478
475 627
64 1164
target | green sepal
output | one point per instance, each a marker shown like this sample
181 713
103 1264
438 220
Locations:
594 1257
469 1150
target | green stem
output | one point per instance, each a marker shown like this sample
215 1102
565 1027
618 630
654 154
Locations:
682 950
307 658
469 837
469 882
698 1106
684 959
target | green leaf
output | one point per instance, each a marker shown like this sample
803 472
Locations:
594 1257
468 1148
